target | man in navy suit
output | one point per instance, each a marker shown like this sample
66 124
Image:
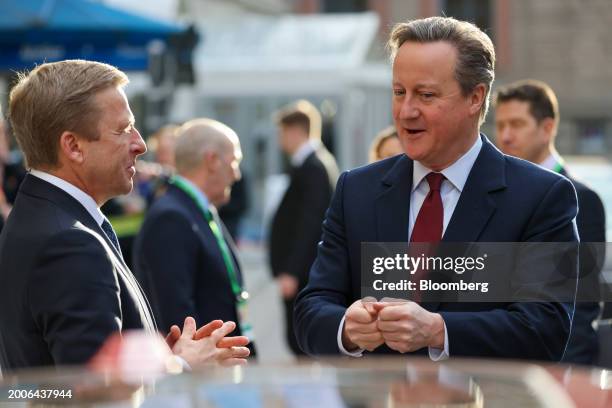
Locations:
451 185
526 119
184 257
64 287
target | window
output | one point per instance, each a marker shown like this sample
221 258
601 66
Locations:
478 12
591 136
344 6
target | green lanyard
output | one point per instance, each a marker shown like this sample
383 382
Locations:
240 294
558 167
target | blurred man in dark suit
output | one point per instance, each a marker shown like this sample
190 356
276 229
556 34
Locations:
526 120
296 226
64 287
452 185
184 257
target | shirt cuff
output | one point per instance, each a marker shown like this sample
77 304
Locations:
183 363
436 354
356 353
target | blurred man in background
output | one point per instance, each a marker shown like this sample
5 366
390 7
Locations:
184 257
526 122
64 287
296 226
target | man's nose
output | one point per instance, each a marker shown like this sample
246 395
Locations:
408 109
138 143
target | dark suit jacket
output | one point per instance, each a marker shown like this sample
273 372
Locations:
296 226
591 221
504 200
63 287
180 265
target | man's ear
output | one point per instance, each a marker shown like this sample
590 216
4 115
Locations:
477 98
548 126
211 161
71 147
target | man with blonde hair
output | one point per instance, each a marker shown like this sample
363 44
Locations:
64 286
184 258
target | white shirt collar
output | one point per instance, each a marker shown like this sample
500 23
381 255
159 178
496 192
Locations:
457 173
298 158
551 161
85 199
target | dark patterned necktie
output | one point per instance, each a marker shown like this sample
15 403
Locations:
110 233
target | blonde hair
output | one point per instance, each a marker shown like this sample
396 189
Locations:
54 98
387 133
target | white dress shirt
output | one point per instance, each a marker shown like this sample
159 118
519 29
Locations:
455 178
301 154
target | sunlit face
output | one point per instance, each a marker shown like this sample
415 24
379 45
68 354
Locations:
225 173
108 166
390 147
436 123
519 134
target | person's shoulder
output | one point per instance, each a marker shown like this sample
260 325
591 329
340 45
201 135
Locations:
530 175
380 168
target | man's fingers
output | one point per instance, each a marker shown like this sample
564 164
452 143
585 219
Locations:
399 311
360 315
173 335
222 331
189 327
365 328
207 329
368 338
387 326
235 341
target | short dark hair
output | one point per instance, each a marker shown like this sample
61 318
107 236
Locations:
540 97
303 114
475 51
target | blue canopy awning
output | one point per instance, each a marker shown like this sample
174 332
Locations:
36 31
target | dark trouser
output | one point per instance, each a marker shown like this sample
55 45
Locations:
291 340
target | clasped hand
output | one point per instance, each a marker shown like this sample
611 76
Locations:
404 326
208 344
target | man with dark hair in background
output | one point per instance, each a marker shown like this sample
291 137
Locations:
296 226
526 120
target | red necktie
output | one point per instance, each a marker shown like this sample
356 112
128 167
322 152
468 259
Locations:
428 225
427 228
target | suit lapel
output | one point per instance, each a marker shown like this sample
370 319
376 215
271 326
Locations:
37 187
392 221
476 206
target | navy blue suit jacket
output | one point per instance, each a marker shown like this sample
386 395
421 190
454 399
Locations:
504 200
583 346
180 265
64 288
